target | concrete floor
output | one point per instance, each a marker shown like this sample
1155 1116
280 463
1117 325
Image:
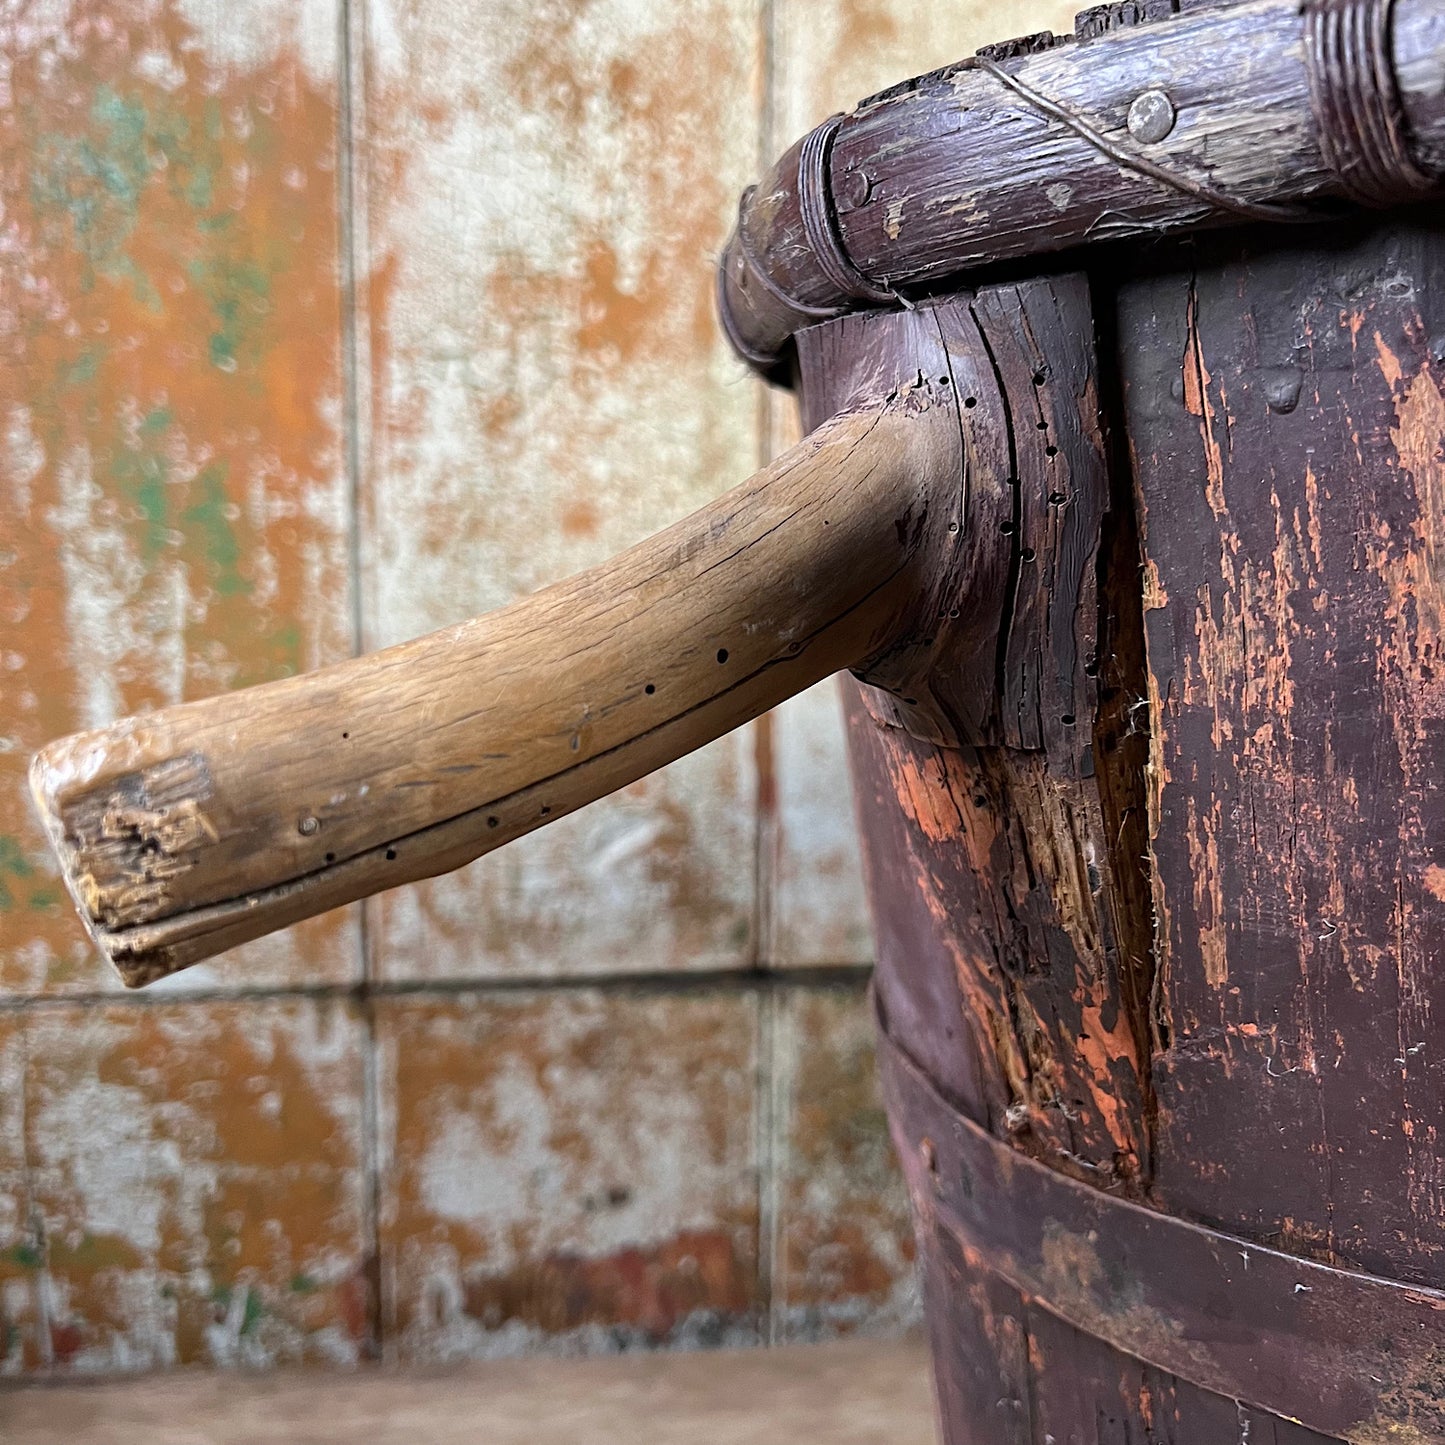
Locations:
856 1393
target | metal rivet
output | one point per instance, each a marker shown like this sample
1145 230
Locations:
1151 117
307 826
1281 391
852 190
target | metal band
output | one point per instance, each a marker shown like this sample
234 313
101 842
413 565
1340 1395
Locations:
1356 101
760 274
1350 1355
815 203
761 360
740 252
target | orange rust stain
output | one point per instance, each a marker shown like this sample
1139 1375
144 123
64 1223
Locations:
1203 837
169 368
843 1216
206 1161
613 319
580 519
1198 403
626 1129
675 89
536 398
1389 363
1435 881
867 25
653 1289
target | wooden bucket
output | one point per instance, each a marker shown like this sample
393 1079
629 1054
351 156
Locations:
1138 553
1158 863
1156 998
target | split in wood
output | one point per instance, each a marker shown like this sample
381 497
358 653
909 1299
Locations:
190 830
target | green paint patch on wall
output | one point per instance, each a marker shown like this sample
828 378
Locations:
90 185
172 381
140 476
94 183
286 649
208 517
46 900
27 1256
112 190
252 1312
13 865
84 368
239 294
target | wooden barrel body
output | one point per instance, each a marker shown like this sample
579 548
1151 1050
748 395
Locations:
1162 948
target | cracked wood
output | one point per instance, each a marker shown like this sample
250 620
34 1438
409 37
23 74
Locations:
189 830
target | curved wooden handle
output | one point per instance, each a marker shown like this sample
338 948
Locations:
187 831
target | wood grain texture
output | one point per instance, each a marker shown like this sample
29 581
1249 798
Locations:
1290 475
970 166
195 828
1005 953
1194 967
172 497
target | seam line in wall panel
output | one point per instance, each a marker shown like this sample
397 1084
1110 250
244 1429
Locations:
350 103
762 730
35 1232
350 54
768 999
763 820
768 117
764 827
722 980
765 840
351 50
376 1341
768 397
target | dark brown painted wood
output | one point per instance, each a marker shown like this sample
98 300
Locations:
1007 847
1291 479
1230 1020
955 170
1344 1352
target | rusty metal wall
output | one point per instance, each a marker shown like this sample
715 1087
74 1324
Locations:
323 324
